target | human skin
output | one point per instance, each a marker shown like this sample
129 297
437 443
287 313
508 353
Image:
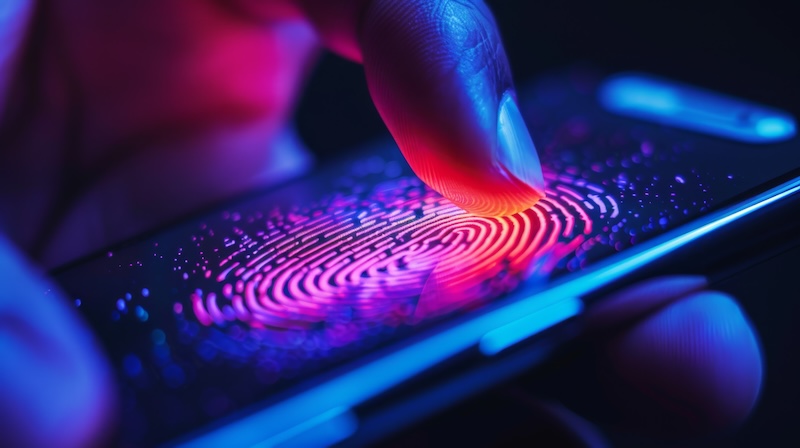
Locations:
118 116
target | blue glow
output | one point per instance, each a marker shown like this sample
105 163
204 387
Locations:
626 266
353 387
173 375
639 94
653 99
356 386
775 127
141 313
132 365
158 337
498 340
323 430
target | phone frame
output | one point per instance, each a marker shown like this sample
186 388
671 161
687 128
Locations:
327 409
405 381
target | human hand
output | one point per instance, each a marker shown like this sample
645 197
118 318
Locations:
663 362
119 116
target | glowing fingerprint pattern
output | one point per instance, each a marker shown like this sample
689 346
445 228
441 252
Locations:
398 254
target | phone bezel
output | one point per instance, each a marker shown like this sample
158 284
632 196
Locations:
322 403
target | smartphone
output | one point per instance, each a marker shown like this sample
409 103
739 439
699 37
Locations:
343 305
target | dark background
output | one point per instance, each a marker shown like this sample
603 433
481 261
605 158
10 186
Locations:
750 49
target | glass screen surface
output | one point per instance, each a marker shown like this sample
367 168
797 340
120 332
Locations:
228 309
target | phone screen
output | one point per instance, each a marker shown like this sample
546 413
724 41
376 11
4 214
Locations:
231 308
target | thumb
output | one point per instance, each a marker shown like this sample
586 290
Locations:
439 77
691 368
55 388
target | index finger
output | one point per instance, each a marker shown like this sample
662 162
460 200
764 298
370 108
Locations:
440 79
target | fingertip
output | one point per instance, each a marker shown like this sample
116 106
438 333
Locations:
440 79
693 367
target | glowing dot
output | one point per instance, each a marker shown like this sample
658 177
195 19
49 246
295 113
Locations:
132 365
647 149
173 375
680 179
128 296
141 313
161 351
77 302
775 127
177 307
145 292
121 304
158 337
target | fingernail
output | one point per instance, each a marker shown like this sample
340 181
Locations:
515 148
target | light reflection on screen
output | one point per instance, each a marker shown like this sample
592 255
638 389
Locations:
395 254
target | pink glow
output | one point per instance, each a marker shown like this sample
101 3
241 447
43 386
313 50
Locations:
375 262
